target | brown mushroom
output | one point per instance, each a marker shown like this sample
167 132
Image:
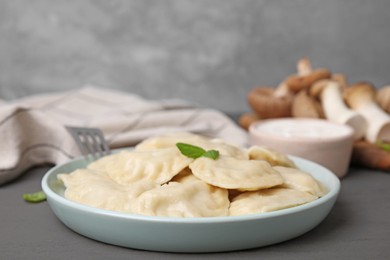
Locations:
335 109
306 76
341 79
362 98
246 119
305 105
370 155
269 102
383 98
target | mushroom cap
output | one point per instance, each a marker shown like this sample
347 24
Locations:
305 105
265 104
246 119
359 94
383 98
299 82
316 88
341 79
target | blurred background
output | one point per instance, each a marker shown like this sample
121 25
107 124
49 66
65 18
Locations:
211 52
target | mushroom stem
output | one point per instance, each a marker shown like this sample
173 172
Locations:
361 98
282 90
336 110
379 123
304 67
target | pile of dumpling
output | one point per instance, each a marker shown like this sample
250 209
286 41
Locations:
156 179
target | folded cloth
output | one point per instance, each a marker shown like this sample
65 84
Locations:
33 133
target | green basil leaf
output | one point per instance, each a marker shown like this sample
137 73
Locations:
213 154
384 146
34 197
190 150
193 151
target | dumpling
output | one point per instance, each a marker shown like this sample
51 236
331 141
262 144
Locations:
232 173
190 198
268 200
128 167
273 157
300 180
185 176
225 148
170 140
96 189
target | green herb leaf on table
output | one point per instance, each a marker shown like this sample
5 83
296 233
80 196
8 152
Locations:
34 197
193 151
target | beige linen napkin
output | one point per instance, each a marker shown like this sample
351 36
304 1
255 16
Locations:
32 129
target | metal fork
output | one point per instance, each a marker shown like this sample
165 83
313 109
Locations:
90 141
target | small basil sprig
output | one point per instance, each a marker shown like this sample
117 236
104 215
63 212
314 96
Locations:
34 197
384 146
193 151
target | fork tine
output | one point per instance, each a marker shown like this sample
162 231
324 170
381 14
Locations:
97 150
90 141
104 145
101 147
100 143
75 134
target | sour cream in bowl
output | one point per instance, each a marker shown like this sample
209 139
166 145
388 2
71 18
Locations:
321 141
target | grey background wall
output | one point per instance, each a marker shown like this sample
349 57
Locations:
211 52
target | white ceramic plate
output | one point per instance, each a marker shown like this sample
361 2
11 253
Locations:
212 234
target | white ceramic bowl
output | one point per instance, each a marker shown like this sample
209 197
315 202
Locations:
211 234
318 140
